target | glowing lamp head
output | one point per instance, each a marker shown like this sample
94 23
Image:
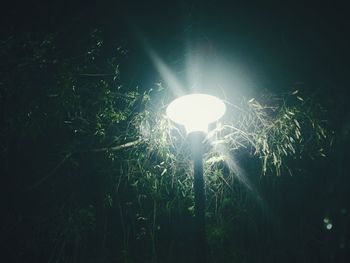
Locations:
196 111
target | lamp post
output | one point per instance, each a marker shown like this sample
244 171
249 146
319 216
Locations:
196 112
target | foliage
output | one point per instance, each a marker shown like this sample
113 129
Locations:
120 168
277 131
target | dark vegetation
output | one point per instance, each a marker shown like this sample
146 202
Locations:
92 171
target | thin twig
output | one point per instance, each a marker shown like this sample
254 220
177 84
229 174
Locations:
52 172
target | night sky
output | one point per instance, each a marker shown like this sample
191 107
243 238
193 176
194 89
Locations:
268 46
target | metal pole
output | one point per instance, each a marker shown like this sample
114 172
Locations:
199 197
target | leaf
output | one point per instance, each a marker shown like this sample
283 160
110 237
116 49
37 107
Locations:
284 151
297 123
274 159
164 171
291 148
323 132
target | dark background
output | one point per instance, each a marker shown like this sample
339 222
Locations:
276 46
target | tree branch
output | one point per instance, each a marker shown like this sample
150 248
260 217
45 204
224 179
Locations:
118 147
53 171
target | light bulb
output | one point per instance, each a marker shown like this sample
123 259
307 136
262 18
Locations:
196 111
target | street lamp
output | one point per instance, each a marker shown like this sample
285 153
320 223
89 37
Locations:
196 112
